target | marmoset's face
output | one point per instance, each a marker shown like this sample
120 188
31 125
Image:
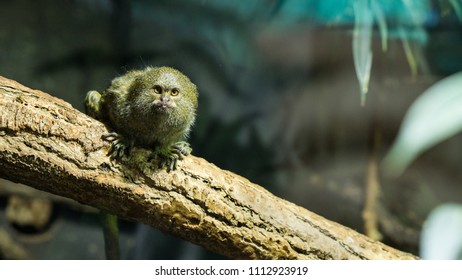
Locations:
165 90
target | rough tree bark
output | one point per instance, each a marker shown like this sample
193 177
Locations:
47 144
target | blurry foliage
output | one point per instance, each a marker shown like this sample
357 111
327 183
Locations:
434 117
362 39
441 234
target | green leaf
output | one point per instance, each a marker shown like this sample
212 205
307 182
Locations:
435 116
457 5
382 22
362 38
442 233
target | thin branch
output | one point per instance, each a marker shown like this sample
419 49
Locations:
47 144
372 192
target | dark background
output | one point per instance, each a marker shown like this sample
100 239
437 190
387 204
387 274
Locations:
279 104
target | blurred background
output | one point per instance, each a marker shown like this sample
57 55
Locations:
282 102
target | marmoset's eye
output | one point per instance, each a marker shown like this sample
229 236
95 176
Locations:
157 89
175 92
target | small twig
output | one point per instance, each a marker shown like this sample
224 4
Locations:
372 191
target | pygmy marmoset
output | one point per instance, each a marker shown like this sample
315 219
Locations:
152 108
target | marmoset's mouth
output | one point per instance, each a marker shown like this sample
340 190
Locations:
163 106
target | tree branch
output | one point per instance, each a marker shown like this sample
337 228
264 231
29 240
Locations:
47 144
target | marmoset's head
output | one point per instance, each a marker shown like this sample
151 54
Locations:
164 90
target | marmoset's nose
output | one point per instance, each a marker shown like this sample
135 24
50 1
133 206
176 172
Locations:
164 98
